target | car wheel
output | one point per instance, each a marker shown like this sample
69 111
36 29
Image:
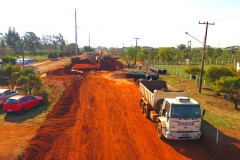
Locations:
22 110
40 103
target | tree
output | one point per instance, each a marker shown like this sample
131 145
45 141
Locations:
209 52
88 49
12 38
35 39
194 70
9 60
28 80
51 41
131 51
141 56
3 45
7 72
152 53
30 45
217 53
62 45
70 48
215 73
181 47
61 54
53 55
6 51
231 87
166 53
196 54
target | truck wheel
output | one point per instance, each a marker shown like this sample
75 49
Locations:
159 130
141 101
142 107
146 111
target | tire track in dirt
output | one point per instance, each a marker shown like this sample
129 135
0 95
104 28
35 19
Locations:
54 134
104 122
112 127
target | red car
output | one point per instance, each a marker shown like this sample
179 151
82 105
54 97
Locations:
21 103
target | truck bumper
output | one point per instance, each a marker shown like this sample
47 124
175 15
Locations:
183 135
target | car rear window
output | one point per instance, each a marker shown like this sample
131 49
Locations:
11 101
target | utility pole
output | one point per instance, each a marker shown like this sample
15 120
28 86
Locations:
136 50
89 40
23 53
203 55
75 33
189 48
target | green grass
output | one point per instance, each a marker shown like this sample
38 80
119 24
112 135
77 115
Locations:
220 113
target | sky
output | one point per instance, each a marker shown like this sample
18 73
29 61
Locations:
116 23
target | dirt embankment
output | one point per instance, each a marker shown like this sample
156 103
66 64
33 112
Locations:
98 117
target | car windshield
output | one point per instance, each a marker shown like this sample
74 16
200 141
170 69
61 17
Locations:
11 101
185 111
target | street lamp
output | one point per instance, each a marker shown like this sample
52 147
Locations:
203 58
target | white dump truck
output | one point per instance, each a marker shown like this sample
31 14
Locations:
176 116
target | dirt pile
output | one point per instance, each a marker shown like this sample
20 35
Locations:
62 117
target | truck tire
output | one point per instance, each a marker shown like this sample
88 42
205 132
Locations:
142 107
159 130
146 111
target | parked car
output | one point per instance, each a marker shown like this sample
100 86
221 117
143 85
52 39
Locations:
21 103
5 94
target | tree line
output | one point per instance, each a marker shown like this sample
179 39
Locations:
222 78
181 52
12 44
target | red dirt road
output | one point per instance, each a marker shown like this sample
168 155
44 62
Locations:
99 118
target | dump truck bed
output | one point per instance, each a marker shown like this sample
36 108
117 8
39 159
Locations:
155 92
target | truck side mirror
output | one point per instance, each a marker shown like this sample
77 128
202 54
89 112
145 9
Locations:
203 113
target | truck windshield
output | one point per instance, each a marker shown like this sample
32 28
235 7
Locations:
185 111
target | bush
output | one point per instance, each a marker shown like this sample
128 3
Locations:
43 93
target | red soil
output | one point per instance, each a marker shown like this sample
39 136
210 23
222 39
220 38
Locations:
98 117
